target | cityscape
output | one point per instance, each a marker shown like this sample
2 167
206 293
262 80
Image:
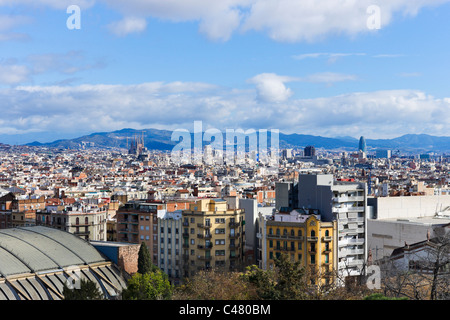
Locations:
248 150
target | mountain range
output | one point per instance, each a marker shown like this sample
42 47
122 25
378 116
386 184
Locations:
155 139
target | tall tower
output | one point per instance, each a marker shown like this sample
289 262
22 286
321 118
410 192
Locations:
362 145
310 151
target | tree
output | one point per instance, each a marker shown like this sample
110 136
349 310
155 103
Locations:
215 285
153 285
263 282
87 290
379 296
288 281
291 280
145 264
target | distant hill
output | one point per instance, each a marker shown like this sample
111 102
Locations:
155 139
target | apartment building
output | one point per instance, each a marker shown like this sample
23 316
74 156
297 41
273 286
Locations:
86 222
345 202
213 236
170 244
137 222
303 237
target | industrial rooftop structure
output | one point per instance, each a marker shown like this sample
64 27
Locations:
36 262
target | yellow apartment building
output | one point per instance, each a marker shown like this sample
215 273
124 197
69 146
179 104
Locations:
302 237
213 236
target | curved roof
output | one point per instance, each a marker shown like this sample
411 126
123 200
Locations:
35 262
37 249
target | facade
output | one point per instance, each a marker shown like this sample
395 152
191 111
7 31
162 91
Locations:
286 194
395 221
137 222
170 244
89 223
309 151
303 237
213 237
362 145
345 202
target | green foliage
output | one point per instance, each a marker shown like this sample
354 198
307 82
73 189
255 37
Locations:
215 285
291 279
87 291
263 282
286 282
145 264
379 296
149 286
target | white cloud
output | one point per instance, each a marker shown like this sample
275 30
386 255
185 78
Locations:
270 87
128 25
12 74
312 20
92 108
282 20
330 77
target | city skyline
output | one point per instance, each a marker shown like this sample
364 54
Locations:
317 68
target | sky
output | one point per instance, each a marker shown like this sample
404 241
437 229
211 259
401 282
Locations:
373 68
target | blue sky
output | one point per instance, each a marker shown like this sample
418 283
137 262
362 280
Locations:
312 67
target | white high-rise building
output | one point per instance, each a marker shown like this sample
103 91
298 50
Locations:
170 244
345 202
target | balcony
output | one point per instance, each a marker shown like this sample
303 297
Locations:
205 247
327 238
234 235
204 258
312 239
204 226
233 224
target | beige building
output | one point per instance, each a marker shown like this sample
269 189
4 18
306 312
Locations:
89 225
213 236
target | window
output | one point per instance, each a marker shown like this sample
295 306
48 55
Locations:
313 233
270 244
327 233
270 231
220 231
220 220
220 252
220 241
278 232
313 259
